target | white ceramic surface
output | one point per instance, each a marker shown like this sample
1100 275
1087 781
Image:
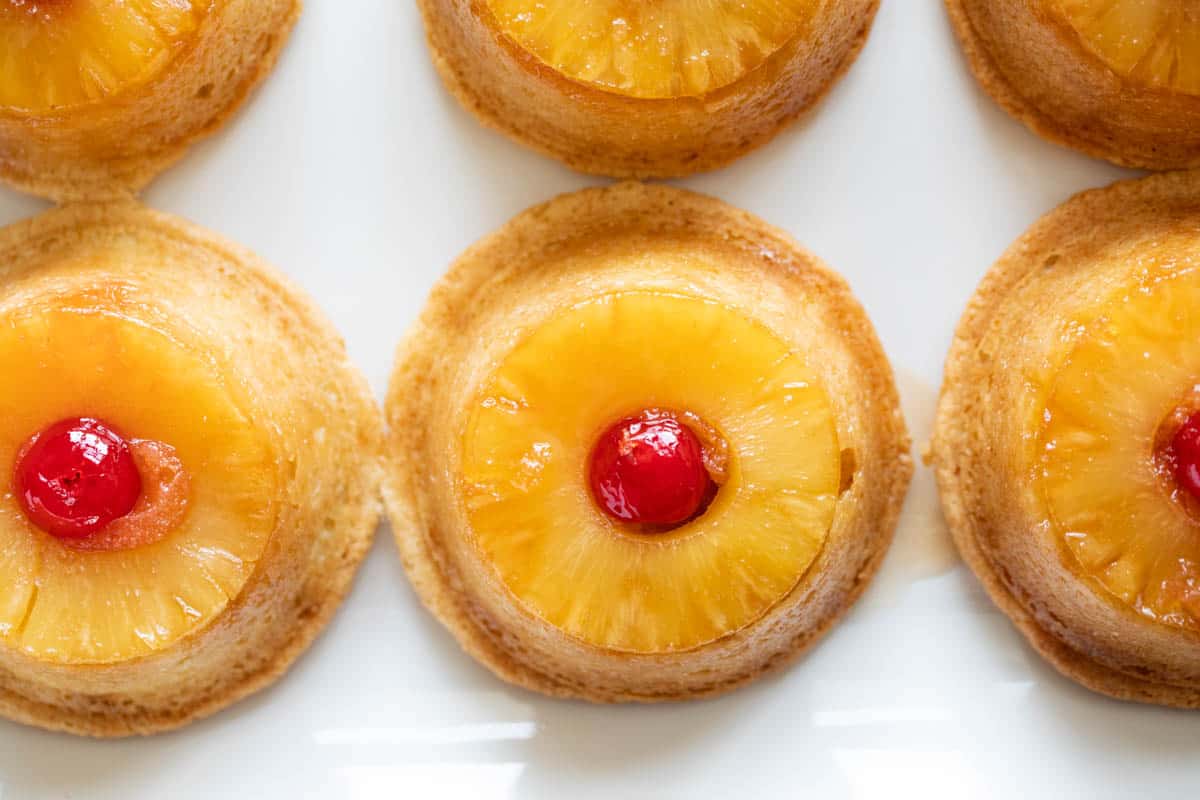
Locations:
356 173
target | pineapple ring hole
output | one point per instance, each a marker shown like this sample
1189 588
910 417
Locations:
1164 457
715 451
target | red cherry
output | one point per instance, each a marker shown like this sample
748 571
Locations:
649 469
1185 455
75 477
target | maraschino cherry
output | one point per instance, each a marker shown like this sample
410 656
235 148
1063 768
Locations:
76 477
649 470
1185 455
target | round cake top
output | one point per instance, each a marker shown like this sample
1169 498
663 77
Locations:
623 340
618 583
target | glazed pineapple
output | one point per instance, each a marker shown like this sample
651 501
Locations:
643 88
110 605
677 48
533 431
1116 445
65 53
97 96
190 471
643 448
1154 42
1067 445
1118 79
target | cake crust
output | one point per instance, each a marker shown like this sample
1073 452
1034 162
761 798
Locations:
563 248
314 552
1087 636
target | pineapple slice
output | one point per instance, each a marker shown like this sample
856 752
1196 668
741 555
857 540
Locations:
1101 477
1156 42
62 53
524 471
61 605
654 48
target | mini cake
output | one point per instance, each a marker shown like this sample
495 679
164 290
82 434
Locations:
1117 79
643 447
634 89
193 471
98 96
1067 445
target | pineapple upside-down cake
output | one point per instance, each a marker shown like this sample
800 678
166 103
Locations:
191 468
98 96
643 88
1117 79
1067 445
643 447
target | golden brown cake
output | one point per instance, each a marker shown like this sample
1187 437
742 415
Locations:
193 470
98 96
1117 79
634 89
1067 445
643 447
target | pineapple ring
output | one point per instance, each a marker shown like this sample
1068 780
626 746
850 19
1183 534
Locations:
173 335
1157 43
618 45
592 308
530 434
1076 353
99 96
1117 79
54 60
643 89
1104 491
73 359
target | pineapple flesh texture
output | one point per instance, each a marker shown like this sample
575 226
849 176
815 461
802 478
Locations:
654 48
529 437
1155 42
57 54
1108 500
65 606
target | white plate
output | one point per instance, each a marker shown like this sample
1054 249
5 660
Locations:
356 173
